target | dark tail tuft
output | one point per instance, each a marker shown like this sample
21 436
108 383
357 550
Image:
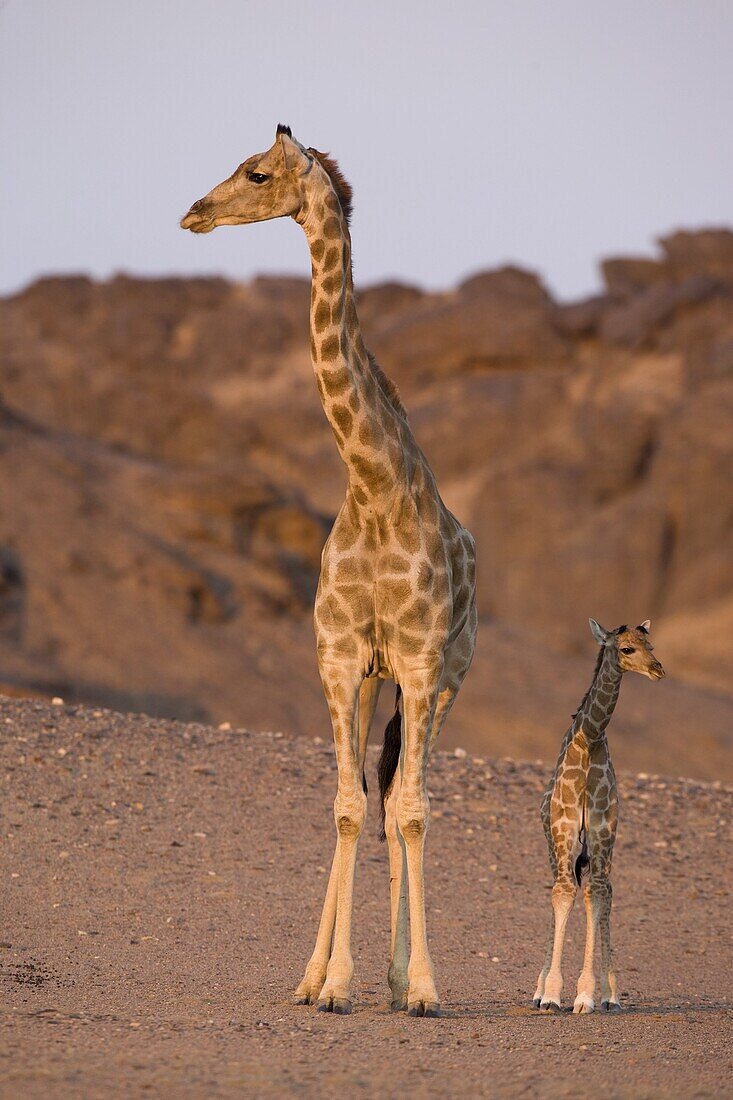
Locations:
582 863
390 756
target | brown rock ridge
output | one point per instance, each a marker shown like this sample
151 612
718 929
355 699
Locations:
168 479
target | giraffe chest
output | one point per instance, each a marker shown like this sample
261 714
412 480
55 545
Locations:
386 587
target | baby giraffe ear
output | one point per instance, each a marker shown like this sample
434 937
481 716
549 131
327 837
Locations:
294 155
598 632
645 626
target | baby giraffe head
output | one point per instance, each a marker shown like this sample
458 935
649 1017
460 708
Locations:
631 647
267 185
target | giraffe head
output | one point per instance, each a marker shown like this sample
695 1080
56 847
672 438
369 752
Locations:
267 185
631 647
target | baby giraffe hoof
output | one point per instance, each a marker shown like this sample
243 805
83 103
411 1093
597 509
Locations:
340 1006
583 1004
610 1006
399 1004
536 1002
550 1006
423 1008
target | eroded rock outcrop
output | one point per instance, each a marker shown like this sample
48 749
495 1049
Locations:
169 479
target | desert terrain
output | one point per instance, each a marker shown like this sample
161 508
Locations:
161 887
169 479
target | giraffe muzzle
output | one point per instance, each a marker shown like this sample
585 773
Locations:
199 219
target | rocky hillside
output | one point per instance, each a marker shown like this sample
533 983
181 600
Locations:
168 480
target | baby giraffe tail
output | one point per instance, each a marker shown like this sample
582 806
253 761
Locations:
390 756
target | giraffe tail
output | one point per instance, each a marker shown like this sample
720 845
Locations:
582 863
390 757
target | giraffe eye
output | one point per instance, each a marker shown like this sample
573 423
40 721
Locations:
257 177
627 649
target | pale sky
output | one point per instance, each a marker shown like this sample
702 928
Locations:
548 133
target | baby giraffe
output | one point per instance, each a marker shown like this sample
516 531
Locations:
579 814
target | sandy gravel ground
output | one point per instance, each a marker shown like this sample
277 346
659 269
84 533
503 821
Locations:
161 886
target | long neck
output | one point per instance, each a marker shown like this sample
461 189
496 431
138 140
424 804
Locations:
599 702
369 432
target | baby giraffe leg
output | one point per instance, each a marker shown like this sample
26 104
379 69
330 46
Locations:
609 995
563 896
584 1001
539 991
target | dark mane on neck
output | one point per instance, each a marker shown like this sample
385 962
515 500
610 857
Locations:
387 387
341 185
596 670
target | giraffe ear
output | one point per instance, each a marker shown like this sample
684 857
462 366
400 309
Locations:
646 625
294 155
600 635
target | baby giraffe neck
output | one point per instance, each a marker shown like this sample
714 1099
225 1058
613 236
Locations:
600 700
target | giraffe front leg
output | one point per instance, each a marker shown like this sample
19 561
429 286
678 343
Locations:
563 896
540 990
308 990
420 693
315 972
341 686
586 989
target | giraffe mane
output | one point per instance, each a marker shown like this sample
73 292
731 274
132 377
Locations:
344 194
341 185
387 386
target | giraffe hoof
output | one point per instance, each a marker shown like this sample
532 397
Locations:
583 1005
340 1006
399 1004
550 1006
610 1006
423 1008
536 1002
307 992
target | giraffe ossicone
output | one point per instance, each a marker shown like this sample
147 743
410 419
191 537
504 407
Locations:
396 595
579 815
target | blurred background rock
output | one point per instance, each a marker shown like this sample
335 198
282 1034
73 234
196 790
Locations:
169 479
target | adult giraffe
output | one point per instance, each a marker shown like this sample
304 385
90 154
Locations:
396 596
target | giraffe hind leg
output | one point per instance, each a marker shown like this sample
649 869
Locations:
609 992
389 772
